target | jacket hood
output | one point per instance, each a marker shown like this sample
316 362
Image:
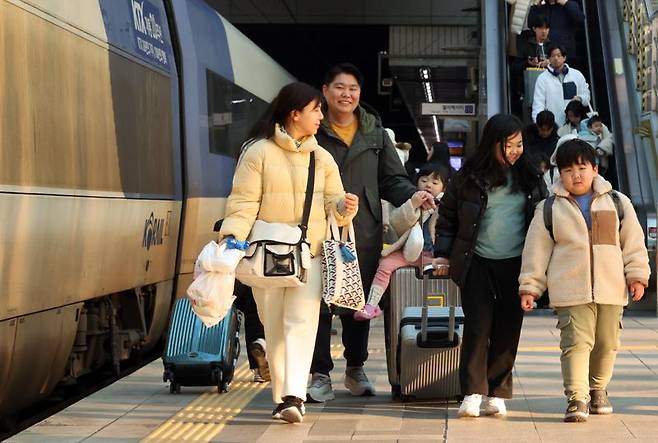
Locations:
367 121
600 186
560 142
286 142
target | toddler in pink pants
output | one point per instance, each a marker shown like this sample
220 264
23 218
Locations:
416 230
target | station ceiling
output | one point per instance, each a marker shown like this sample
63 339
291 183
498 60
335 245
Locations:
382 12
439 36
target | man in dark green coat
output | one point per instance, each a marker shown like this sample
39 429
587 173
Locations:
370 168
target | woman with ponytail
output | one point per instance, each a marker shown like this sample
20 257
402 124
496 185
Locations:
270 185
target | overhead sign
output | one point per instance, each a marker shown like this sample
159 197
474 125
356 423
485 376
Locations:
448 108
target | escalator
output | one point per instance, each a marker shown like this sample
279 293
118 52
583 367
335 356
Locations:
618 37
633 122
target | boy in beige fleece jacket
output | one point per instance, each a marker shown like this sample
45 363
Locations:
595 256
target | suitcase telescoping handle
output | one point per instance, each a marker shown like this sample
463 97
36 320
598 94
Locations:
429 299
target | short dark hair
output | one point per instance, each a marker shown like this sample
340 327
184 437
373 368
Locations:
540 21
594 119
576 108
553 46
434 169
574 152
545 118
343 68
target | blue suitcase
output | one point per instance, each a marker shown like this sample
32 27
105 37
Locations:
199 356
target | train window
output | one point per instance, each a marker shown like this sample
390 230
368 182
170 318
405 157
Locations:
232 111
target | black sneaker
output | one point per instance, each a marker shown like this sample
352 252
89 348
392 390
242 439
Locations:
599 402
276 413
292 409
257 351
576 412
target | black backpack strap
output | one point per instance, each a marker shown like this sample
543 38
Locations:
618 205
308 200
548 215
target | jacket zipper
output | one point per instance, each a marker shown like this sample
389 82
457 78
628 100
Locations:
589 238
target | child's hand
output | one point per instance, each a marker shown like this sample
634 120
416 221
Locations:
428 201
349 204
441 266
527 301
418 199
637 290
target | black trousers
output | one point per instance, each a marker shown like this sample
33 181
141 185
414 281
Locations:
355 333
355 341
492 326
253 328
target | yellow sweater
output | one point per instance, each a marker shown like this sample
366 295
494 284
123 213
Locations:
583 266
270 185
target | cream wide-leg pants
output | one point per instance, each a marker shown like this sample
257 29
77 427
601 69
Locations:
290 318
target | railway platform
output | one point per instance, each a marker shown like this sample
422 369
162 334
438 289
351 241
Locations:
140 407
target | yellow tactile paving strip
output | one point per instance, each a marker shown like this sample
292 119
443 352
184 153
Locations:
635 348
206 416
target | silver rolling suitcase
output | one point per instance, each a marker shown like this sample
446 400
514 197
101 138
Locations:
410 290
430 343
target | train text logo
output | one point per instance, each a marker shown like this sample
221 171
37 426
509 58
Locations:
153 231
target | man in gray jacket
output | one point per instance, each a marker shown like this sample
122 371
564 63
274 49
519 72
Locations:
370 168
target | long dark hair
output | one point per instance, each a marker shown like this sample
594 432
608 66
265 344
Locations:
483 162
292 97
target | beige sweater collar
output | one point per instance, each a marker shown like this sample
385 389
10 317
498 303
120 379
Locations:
600 186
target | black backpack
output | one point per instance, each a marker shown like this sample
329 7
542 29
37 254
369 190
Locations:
548 211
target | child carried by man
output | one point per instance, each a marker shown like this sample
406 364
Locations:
416 230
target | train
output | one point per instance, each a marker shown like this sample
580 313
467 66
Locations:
121 122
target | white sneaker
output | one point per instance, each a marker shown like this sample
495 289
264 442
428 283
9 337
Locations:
320 389
470 406
494 406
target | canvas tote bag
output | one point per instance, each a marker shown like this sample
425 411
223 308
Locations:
341 277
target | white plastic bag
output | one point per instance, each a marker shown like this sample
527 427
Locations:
211 295
413 247
218 258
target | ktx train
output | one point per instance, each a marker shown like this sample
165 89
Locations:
119 128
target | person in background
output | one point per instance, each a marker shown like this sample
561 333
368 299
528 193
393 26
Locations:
599 136
254 333
532 52
370 168
402 148
575 114
559 85
270 185
483 218
565 17
439 154
593 259
540 138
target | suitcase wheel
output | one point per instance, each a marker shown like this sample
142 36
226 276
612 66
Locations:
396 392
222 387
174 388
